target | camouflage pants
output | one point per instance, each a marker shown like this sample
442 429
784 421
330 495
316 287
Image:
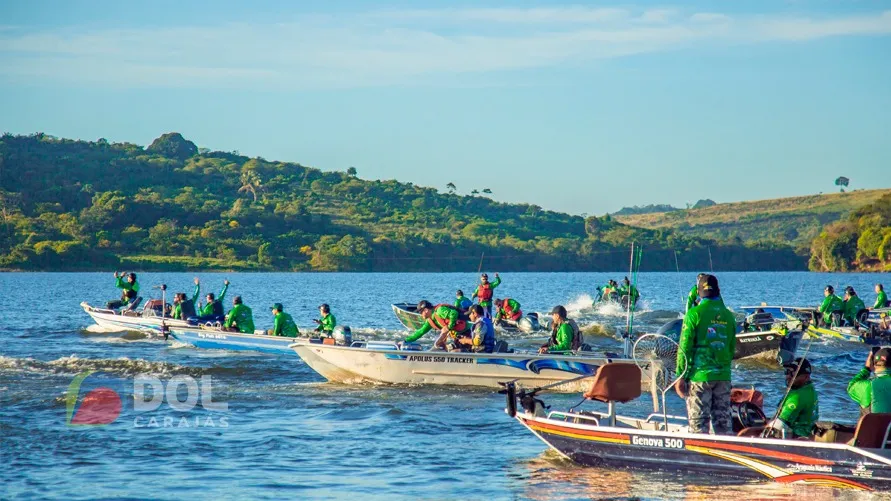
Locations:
709 402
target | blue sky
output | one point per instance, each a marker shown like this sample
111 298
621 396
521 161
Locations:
577 107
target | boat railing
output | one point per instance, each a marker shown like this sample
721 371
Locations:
591 418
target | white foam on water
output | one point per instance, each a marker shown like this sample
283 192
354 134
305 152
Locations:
575 307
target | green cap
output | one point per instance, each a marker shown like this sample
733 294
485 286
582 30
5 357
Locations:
278 306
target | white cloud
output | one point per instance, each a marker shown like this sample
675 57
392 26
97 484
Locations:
389 47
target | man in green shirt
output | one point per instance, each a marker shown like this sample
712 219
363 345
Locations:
873 393
462 302
705 351
693 295
445 318
283 325
628 289
831 304
852 305
881 298
327 322
563 335
800 410
240 317
126 282
213 310
183 307
507 309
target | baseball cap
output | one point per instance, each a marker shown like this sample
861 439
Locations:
708 287
560 310
805 366
883 355
278 306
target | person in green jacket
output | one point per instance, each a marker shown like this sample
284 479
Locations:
462 302
444 317
563 335
852 305
240 318
213 309
800 410
881 298
126 282
873 393
485 291
831 304
705 351
327 323
508 309
184 307
283 325
628 289
693 295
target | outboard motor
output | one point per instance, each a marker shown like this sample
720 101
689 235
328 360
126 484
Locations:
342 335
528 324
672 329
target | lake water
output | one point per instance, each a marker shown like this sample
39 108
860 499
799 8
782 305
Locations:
287 433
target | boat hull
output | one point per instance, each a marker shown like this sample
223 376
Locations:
219 340
391 366
110 321
833 465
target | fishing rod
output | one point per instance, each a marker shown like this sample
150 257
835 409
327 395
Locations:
479 269
789 387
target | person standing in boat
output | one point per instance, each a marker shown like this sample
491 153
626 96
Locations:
871 387
627 289
881 298
705 353
184 307
443 317
326 322
283 324
800 410
565 334
212 311
485 290
240 318
831 304
125 282
507 309
693 295
482 333
462 302
852 306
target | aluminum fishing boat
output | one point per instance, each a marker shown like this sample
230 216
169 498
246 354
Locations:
390 363
147 319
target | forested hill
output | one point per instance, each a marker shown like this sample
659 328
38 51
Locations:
76 205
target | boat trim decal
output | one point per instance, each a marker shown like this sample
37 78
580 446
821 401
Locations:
764 452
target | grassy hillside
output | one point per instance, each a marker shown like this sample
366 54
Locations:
796 220
78 205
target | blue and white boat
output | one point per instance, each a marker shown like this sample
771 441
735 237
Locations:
147 319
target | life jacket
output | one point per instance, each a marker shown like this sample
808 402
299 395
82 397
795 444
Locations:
485 291
438 322
488 345
187 308
508 311
881 394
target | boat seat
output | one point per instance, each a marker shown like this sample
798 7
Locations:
132 306
615 382
873 431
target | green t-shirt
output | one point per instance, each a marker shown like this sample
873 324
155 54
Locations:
881 300
242 317
801 410
871 393
284 325
708 342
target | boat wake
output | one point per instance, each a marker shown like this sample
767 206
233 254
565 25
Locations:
123 366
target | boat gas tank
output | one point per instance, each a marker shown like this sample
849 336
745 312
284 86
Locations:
672 329
342 335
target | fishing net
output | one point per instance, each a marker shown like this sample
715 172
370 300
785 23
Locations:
657 355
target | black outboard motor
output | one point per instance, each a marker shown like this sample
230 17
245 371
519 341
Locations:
672 329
